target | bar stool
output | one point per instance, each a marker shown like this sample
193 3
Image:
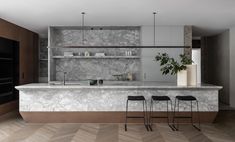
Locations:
191 99
137 98
160 99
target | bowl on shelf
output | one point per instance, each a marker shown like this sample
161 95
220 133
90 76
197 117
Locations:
92 82
120 77
99 54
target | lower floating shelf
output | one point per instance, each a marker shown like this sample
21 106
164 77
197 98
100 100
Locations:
96 57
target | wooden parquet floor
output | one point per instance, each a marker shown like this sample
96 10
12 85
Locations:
14 129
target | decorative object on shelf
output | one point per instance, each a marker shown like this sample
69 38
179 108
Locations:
99 54
129 76
170 65
128 53
100 81
79 54
68 54
87 54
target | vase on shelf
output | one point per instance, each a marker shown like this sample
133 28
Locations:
182 78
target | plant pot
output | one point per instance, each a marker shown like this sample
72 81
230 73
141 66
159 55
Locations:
192 74
182 78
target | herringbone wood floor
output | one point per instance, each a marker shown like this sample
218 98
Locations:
14 129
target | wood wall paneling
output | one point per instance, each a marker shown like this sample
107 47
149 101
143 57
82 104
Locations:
28 50
28 44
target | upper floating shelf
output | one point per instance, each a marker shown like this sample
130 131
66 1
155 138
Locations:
119 47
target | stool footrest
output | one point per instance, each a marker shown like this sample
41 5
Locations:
134 117
182 117
159 117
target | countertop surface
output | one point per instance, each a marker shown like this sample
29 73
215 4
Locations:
115 84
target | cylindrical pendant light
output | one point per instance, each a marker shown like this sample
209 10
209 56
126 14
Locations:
83 34
154 28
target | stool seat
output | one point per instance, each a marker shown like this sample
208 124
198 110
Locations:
136 98
161 98
186 98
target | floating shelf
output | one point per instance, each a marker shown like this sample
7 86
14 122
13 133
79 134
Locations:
43 59
120 46
96 57
8 59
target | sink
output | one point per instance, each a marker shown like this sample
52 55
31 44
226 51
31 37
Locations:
61 83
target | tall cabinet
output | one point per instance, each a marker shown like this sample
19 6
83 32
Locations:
27 61
28 50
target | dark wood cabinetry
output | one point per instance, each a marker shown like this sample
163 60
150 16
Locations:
28 56
28 50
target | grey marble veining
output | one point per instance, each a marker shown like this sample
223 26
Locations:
107 100
188 40
68 37
82 69
111 96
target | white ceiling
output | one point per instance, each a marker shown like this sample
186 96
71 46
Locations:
208 16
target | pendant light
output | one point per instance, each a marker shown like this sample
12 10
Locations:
83 28
154 28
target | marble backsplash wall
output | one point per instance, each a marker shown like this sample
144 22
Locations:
84 69
93 68
108 36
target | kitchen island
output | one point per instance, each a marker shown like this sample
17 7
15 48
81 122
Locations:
80 102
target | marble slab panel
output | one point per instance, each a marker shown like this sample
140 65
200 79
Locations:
108 100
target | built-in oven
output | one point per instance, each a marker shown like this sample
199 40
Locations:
9 69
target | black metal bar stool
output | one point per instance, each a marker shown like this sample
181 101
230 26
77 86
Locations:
137 98
191 99
159 99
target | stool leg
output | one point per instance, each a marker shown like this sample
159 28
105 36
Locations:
145 115
168 118
178 113
191 112
170 125
199 123
126 115
151 115
167 113
174 116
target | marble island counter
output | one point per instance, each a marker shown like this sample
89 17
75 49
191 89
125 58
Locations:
80 102
115 84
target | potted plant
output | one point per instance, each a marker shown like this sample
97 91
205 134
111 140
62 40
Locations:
170 65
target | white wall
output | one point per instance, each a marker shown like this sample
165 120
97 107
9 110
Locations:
165 36
232 67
